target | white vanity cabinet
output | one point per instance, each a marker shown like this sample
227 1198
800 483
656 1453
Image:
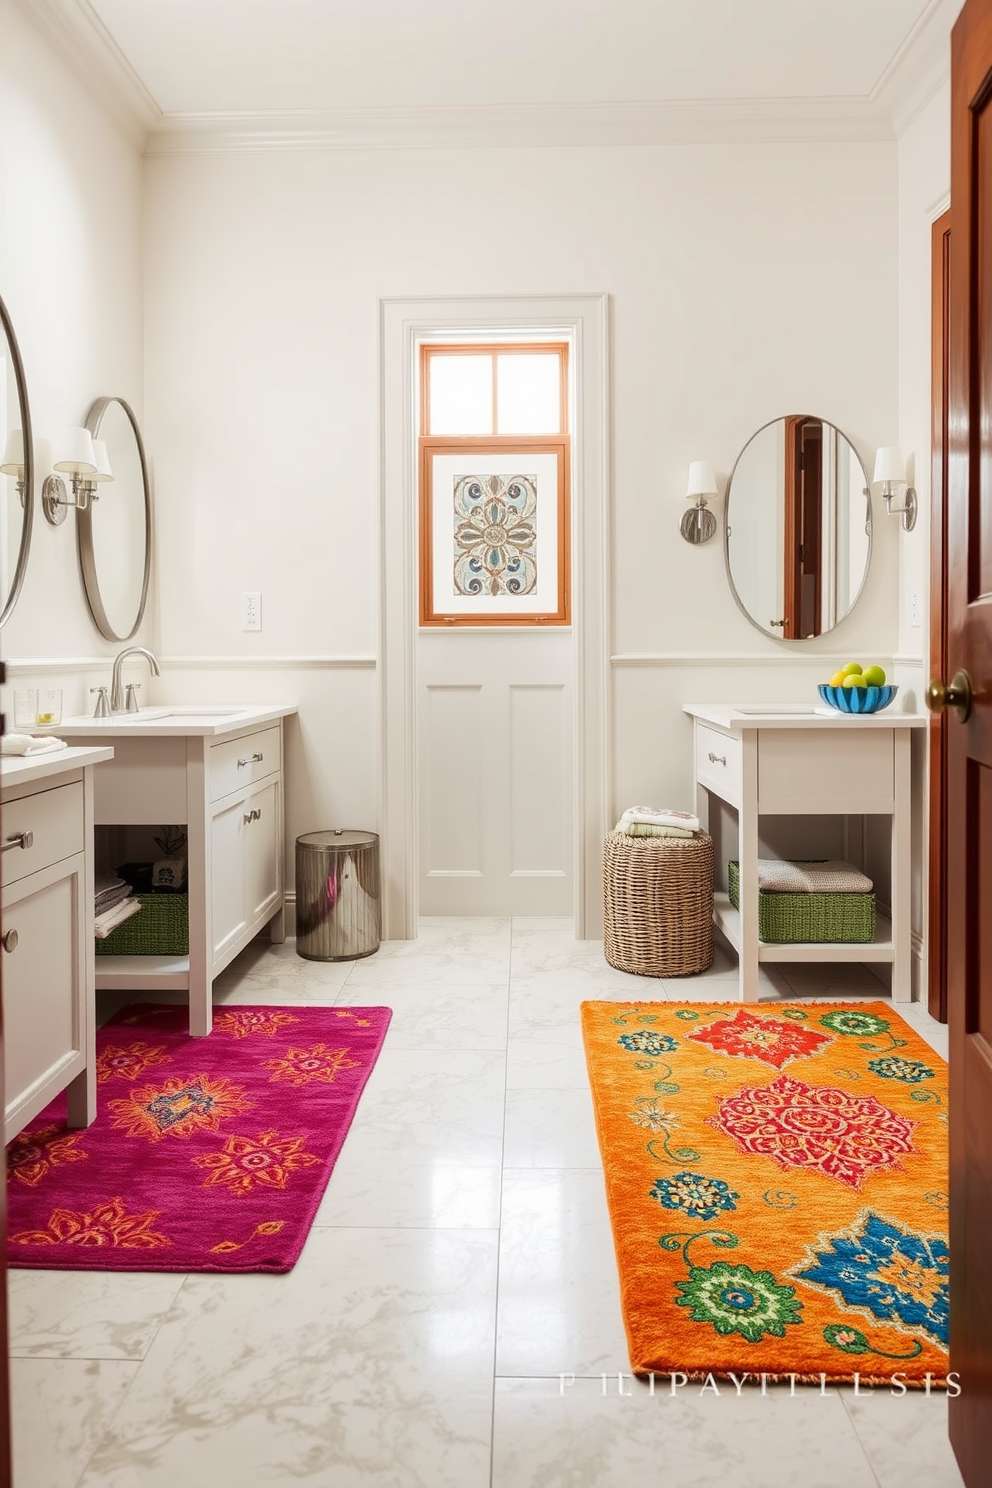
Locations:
48 984
218 773
765 760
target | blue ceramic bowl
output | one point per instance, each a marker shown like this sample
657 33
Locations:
857 699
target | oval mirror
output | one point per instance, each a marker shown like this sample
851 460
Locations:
16 469
798 527
114 531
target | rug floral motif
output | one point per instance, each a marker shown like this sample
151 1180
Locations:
777 1184
207 1154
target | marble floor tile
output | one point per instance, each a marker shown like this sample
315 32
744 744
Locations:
423 1193
905 1438
548 1062
60 1410
369 1364
552 1434
436 1014
559 1296
550 1129
87 1314
452 950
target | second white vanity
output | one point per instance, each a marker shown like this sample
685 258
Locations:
218 772
768 760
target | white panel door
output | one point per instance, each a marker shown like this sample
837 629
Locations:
495 732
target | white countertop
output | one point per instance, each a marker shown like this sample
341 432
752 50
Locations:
736 717
174 720
15 769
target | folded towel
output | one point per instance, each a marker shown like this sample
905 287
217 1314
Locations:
648 829
111 918
661 816
827 877
106 898
31 744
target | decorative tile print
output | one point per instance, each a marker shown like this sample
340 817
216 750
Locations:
495 534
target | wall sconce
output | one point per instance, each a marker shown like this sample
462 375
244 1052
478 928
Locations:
890 471
699 524
13 460
86 461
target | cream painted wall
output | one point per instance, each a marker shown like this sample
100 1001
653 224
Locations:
71 277
746 281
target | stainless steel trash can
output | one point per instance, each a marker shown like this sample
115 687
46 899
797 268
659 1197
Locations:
337 895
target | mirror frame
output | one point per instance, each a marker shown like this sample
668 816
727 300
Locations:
84 529
28 518
869 530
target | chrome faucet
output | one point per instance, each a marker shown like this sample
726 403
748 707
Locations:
117 704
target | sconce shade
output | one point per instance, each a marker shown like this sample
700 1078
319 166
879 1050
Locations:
101 455
889 465
13 455
75 451
702 481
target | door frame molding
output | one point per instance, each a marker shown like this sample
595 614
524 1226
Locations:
403 322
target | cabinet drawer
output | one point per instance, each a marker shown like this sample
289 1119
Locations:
238 762
718 763
826 770
55 820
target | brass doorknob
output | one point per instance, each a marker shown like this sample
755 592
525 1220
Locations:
957 696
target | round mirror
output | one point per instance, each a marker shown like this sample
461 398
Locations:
798 528
16 469
114 531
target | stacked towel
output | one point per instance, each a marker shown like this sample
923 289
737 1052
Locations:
31 744
114 916
830 876
653 821
112 904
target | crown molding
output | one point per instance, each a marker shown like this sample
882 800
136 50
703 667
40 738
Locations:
708 121
920 66
77 34
908 83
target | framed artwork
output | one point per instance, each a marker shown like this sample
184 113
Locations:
494 531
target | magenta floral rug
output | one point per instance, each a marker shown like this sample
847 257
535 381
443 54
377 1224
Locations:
207 1154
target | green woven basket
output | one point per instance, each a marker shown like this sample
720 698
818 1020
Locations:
161 929
800 918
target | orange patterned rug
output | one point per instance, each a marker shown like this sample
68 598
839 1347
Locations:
776 1177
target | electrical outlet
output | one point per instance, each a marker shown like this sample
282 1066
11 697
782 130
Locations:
251 610
914 610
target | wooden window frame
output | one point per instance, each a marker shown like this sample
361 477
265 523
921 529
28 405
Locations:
431 610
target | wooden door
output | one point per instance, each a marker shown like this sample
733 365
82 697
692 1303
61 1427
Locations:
803 527
940 250
969 740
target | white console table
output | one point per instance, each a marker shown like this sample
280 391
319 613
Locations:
769 760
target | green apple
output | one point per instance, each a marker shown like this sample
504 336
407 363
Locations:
855 680
852 669
874 676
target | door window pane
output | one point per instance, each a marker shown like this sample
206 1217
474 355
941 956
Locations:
461 394
528 388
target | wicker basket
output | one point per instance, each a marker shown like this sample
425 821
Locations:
804 918
161 929
658 904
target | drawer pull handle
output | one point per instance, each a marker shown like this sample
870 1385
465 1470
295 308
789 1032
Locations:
253 815
23 839
717 759
255 759
10 941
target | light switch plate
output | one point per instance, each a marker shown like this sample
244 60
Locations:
251 610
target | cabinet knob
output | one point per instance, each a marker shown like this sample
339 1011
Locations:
9 941
23 839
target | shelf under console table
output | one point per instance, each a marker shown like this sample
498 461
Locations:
792 761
